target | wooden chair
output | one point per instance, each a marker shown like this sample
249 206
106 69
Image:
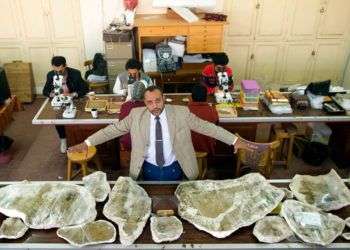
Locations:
286 136
82 159
97 87
202 164
260 159
6 114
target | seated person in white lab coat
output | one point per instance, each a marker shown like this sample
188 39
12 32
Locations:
131 74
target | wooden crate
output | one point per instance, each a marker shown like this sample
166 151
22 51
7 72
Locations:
21 81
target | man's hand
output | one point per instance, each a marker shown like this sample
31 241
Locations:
79 148
243 144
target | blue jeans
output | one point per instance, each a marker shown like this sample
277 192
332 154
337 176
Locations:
152 172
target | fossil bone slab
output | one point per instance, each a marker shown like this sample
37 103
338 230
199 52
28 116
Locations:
98 185
48 205
129 206
327 192
272 229
288 194
347 221
346 236
165 228
310 223
12 228
222 207
91 233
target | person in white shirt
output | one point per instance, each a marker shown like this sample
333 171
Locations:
131 74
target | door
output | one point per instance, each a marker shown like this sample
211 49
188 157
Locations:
239 54
34 16
298 58
334 19
304 19
330 59
271 20
264 60
242 19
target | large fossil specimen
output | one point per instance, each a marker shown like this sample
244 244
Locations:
48 205
129 206
310 223
91 233
327 192
165 228
222 207
272 229
12 228
98 185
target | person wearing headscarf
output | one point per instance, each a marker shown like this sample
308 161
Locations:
210 72
98 73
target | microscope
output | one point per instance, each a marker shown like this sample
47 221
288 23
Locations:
70 110
57 89
131 81
60 100
223 95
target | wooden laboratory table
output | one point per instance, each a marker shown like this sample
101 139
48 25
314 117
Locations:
162 195
245 124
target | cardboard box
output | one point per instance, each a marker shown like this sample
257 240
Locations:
122 50
117 36
115 66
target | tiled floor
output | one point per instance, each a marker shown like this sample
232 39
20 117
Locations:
37 157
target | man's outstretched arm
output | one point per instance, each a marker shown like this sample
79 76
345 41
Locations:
209 129
108 133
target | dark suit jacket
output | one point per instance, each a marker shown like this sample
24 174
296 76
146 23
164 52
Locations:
75 83
4 87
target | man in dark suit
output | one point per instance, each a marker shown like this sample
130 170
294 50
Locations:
72 85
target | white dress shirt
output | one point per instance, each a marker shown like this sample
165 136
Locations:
169 156
117 89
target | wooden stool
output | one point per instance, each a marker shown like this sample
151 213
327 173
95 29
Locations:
262 157
82 159
285 136
202 164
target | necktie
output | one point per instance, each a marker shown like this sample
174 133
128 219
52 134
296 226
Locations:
159 143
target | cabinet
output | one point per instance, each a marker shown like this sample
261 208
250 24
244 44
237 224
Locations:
36 30
271 18
242 19
20 79
335 20
323 19
282 42
239 54
305 18
265 59
329 61
318 61
262 20
202 36
205 39
296 62
117 54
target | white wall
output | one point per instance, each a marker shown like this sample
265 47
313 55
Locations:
92 22
98 14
